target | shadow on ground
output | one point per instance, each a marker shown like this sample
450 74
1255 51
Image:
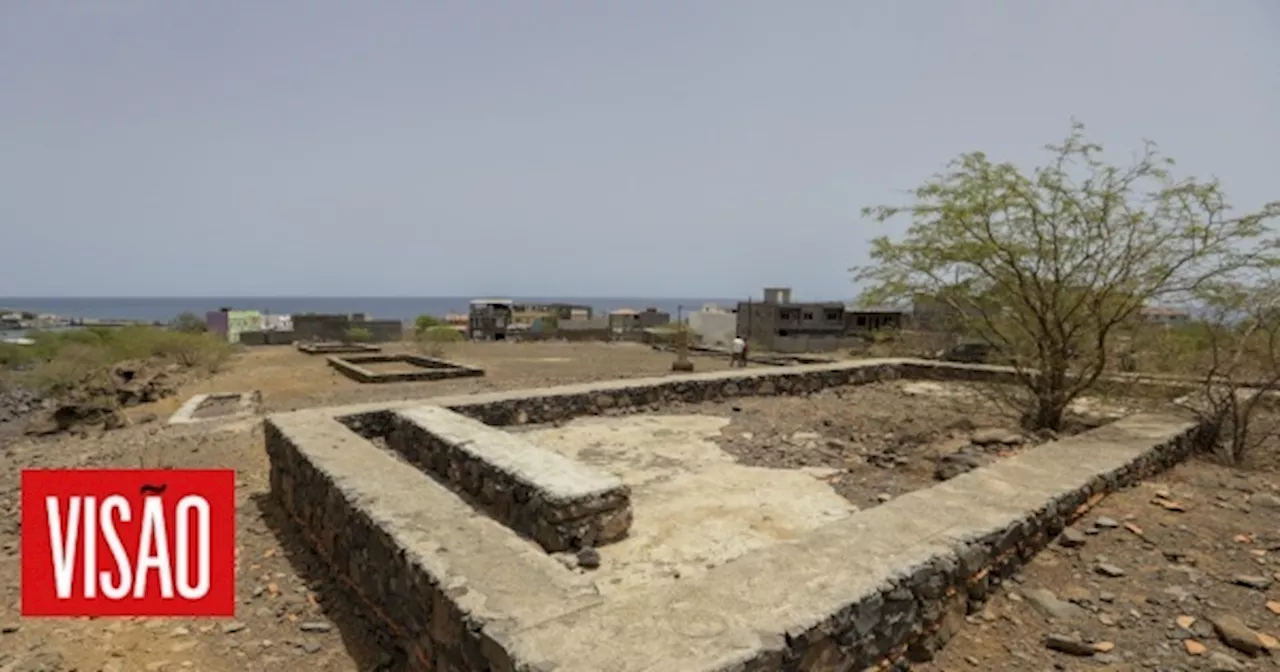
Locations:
371 648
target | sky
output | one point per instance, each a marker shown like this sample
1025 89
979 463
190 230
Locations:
568 148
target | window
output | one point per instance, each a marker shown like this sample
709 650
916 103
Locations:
833 314
789 314
808 314
862 320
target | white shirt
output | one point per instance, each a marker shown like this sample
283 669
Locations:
739 346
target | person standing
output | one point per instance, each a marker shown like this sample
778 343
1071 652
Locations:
739 352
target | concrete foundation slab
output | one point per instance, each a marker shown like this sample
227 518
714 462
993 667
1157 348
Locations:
336 348
217 407
800 581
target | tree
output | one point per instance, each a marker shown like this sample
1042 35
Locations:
188 323
1234 354
1049 267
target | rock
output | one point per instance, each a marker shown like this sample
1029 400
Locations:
1194 648
310 647
1072 538
43 661
1109 570
1221 662
315 626
1252 581
950 466
1106 523
993 436
588 558
233 627
1235 634
1265 501
1068 645
1049 606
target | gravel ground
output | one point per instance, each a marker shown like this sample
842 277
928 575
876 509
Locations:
1179 573
1183 564
884 439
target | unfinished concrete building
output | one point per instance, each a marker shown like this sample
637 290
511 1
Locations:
489 319
782 325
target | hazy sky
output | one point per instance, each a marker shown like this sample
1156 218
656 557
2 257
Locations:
589 148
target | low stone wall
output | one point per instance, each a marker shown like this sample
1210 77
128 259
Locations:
559 503
336 348
429 368
886 585
267 338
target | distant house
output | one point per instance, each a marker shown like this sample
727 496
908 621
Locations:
230 323
1165 316
781 324
489 319
626 320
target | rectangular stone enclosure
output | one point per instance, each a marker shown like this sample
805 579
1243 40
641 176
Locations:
425 511
216 406
336 348
414 368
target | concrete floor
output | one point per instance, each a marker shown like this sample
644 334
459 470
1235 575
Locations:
694 506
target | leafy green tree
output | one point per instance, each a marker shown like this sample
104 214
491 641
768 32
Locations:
1049 266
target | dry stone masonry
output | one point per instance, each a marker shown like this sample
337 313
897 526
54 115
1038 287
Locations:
422 368
428 535
559 503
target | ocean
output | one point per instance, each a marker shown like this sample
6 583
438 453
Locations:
377 307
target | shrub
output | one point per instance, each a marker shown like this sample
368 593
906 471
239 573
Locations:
60 361
433 339
425 322
358 335
188 323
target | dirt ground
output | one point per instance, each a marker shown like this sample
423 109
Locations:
886 439
1183 564
282 620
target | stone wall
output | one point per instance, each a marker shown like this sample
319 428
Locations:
559 503
848 613
335 327
328 348
424 368
267 337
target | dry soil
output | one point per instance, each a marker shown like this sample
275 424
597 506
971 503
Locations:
1180 560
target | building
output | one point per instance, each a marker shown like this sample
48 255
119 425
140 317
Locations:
713 325
331 327
230 323
626 320
782 325
489 319
529 313
866 320
1165 316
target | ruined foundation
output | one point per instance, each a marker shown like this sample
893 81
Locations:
336 348
216 406
418 368
431 533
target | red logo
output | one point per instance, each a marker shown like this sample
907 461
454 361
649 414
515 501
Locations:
128 542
